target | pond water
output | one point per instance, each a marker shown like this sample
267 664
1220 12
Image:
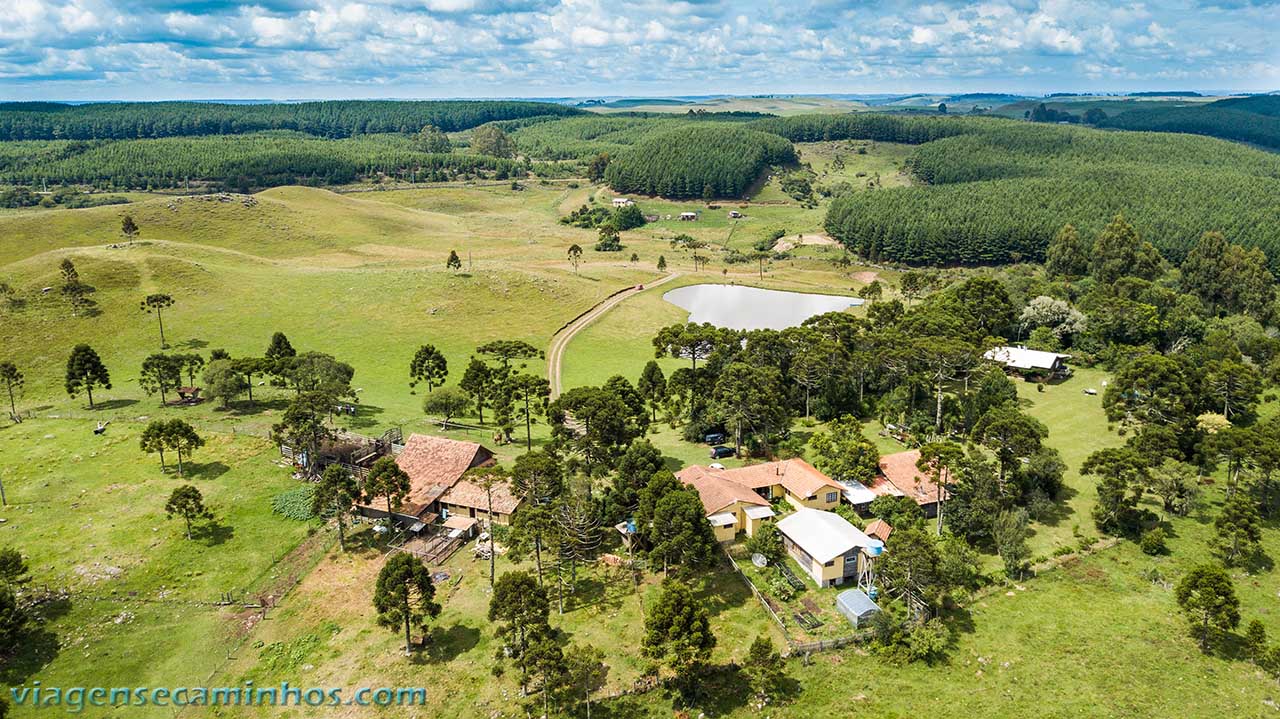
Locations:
752 308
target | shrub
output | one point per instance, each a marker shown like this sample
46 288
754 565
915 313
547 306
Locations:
295 503
1152 542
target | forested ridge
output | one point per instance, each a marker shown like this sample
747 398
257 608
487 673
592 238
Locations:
698 161
1254 120
578 138
345 118
1000 191
255 160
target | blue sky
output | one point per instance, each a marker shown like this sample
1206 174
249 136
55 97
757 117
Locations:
136 49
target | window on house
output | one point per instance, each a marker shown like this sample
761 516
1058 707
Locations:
831 497
832 563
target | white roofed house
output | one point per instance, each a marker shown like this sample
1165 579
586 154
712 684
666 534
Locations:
829 549
1031 364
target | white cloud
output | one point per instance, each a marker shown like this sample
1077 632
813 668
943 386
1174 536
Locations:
497 47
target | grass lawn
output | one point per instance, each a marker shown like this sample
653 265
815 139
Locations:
327 636
88 512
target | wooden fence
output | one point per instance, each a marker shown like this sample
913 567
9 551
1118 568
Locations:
793 647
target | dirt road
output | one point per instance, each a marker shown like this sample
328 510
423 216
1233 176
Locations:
555 353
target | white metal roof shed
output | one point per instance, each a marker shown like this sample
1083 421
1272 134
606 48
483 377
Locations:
824 535
1023 358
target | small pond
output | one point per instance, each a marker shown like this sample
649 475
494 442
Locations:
752 308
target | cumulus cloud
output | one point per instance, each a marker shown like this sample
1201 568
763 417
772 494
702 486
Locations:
292 48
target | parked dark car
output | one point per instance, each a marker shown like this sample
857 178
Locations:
721 451
715 438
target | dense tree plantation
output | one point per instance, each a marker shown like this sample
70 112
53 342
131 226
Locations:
882 127
579 138
1000 193
130 120
1254 120
253 160
698 161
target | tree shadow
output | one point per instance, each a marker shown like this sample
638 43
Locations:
110 404
445 645
1061 510
37 648
213 532
719 690
192 344
365 416
204 470
959 621
259 405
594 592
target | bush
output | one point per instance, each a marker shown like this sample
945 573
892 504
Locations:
780 587
1152 542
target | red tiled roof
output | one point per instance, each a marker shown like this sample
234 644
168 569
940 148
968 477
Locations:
469 494
879 529
796 475
717 491
900 470
434 464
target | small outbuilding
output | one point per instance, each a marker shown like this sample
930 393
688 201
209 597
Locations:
1031 364
856 606
622 202
688 216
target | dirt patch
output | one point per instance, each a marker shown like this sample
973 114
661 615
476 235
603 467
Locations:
789 243
866 277
97 572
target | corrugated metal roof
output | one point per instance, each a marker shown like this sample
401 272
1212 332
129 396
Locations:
1023 358
823 535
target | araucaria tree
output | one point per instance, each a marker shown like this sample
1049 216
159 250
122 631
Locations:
680 533
154 439
302 427
86 371
477 381
388 481
1238 530
12 379
182 439
454 262
405 596
160 373
652 386
157 303
1208 599
337 492
677 632
520 607
187 502
428 367
74 289
750 399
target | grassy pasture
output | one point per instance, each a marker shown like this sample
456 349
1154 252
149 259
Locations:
88 511
362 276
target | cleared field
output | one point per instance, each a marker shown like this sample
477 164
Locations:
775 104
140 609
327 637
